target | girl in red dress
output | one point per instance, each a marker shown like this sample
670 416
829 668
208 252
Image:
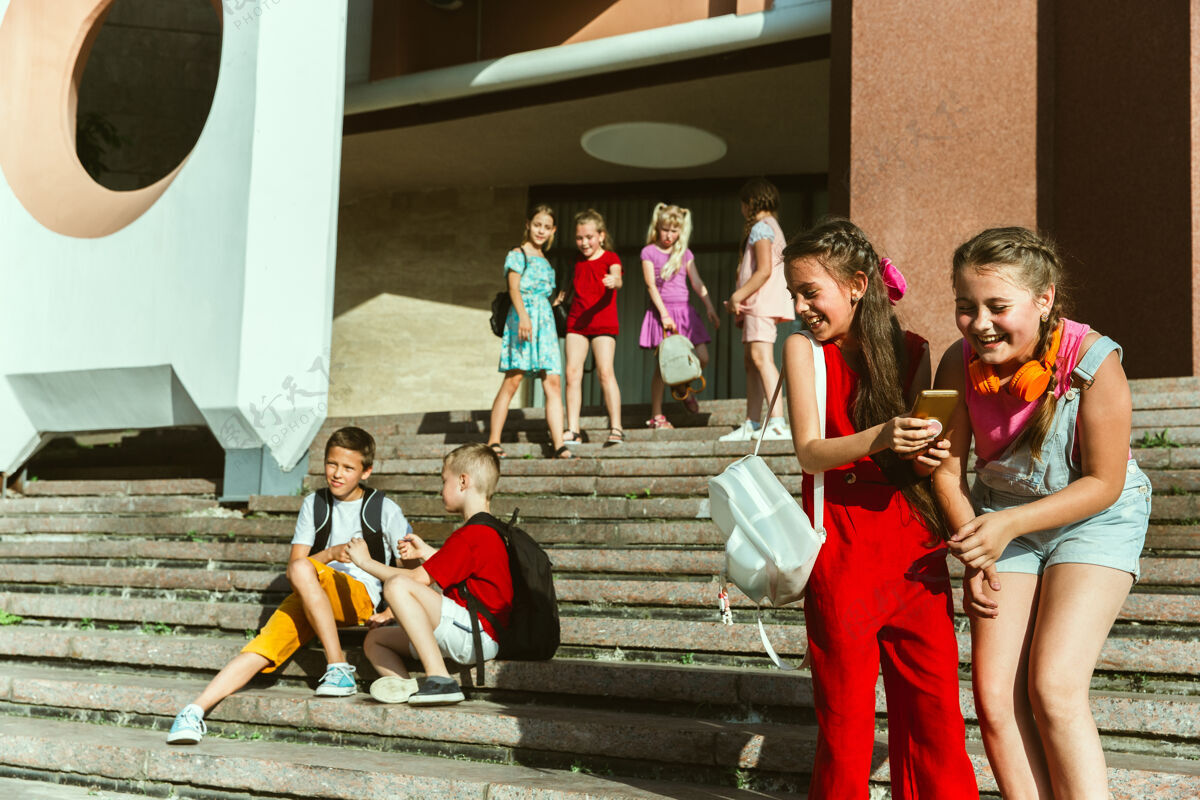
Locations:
592 322
880 590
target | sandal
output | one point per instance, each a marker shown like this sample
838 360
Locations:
564 454
615 436
659 422
498 450
572 436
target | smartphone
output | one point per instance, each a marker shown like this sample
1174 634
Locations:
937 404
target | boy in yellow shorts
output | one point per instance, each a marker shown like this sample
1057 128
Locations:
329 591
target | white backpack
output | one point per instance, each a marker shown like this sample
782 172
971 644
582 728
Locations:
679 365
770 545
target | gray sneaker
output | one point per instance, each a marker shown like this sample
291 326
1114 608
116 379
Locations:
437 691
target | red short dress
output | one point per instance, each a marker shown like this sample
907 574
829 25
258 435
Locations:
594 310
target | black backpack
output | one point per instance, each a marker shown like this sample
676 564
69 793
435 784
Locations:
532 633
372 523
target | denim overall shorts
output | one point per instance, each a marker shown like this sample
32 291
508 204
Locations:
1111 538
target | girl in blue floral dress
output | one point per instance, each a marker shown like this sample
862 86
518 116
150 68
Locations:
529 344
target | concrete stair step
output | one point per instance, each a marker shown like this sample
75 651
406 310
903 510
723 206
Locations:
648 486
536 734
753 747
1136 649
724 690
577 467
73 488
213 534
479 419
31 788
192 537
663 449
128 756
216 522
603 584
545 507
133 504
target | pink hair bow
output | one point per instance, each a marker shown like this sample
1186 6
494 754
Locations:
892 279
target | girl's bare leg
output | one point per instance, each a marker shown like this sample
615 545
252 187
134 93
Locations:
552 387
577 350
504 396
1076 609
999 667
604 348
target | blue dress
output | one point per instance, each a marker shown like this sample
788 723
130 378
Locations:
540 353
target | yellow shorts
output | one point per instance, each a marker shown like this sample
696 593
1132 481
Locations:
288 629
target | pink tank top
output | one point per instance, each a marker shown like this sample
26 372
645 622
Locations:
772 299
997 419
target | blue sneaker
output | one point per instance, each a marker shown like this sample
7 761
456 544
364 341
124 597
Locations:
338 681
188 727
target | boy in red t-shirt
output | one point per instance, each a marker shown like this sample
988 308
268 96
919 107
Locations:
435 625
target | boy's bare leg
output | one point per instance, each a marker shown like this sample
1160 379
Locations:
418 610
303 577
233 676
385 649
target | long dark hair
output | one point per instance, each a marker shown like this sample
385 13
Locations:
1032 262
844 250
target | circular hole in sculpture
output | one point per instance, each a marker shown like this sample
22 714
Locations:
146 89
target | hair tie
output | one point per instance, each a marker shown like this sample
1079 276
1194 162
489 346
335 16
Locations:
893 280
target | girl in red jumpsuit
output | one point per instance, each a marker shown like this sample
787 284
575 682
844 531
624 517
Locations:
880 590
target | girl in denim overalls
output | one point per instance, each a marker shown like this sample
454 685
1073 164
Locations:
1057 515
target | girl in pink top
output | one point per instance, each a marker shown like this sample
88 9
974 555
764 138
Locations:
1058 508
667 266
760 302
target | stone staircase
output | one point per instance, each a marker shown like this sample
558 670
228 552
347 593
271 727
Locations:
121 598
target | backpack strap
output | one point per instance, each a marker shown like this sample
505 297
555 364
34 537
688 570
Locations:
371 515
818 518
1085 370
372 526
322 519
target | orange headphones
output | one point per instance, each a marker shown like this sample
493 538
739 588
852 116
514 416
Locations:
1028 383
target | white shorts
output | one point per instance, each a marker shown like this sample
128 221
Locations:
453 635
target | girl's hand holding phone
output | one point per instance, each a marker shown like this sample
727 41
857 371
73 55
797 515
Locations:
907 436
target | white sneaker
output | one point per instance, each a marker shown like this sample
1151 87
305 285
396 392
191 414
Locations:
393 689
742 433
776 432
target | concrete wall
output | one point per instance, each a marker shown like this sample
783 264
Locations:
416 273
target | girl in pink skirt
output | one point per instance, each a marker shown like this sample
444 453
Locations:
666 260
